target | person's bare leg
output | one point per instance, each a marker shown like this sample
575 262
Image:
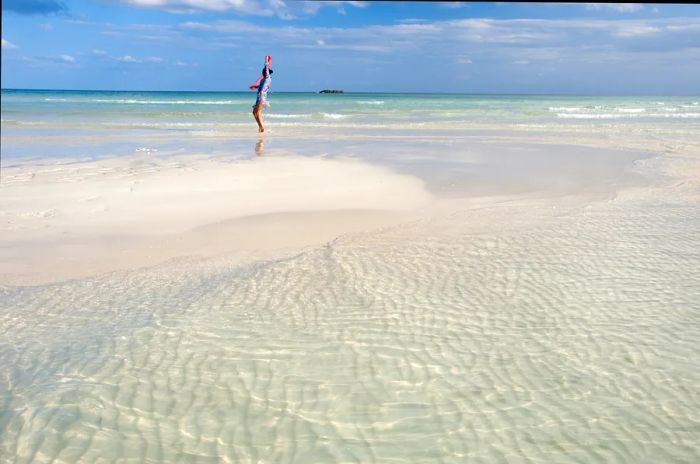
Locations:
257 113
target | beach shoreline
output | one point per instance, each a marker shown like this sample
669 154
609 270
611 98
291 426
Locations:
72 219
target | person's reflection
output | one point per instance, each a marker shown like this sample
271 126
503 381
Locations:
260 146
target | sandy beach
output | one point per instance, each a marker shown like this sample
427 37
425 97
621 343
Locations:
69 218
345 293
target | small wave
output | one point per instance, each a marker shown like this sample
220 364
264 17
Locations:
171 102
628 115
154 125
565 108
16 122
630 110
288 116
146 102
370 102
681 115
334 116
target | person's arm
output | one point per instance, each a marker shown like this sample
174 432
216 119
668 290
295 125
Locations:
268 60
257 84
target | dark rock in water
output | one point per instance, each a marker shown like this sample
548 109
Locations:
330 91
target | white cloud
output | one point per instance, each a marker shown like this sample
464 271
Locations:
280 8
411 20
127 59
453 5
460 41
633 30
64 59
684 27
414 27
7 45
618 7
582 50
46 27
349 47
312 7
131 59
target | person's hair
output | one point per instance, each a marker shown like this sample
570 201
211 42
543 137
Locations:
269 69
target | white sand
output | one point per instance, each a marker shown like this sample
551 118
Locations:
73 219
64 219
133 195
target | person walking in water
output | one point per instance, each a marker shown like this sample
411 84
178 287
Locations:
262 85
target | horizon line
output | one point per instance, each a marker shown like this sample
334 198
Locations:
362 92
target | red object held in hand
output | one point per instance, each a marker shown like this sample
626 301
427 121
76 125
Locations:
254 85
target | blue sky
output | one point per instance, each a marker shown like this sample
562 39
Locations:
584 48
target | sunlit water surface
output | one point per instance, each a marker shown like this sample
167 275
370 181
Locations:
568 337
536 333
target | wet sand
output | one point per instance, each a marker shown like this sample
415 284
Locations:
64 219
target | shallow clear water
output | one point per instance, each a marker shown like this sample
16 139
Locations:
524 332
117 123
558 336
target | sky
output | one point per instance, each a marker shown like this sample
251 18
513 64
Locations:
450 47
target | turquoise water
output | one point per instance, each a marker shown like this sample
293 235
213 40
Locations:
51 123
101 106
520 332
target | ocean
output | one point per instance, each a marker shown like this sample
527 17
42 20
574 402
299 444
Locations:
116 122
543 307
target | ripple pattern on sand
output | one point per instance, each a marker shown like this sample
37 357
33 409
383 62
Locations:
563 336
